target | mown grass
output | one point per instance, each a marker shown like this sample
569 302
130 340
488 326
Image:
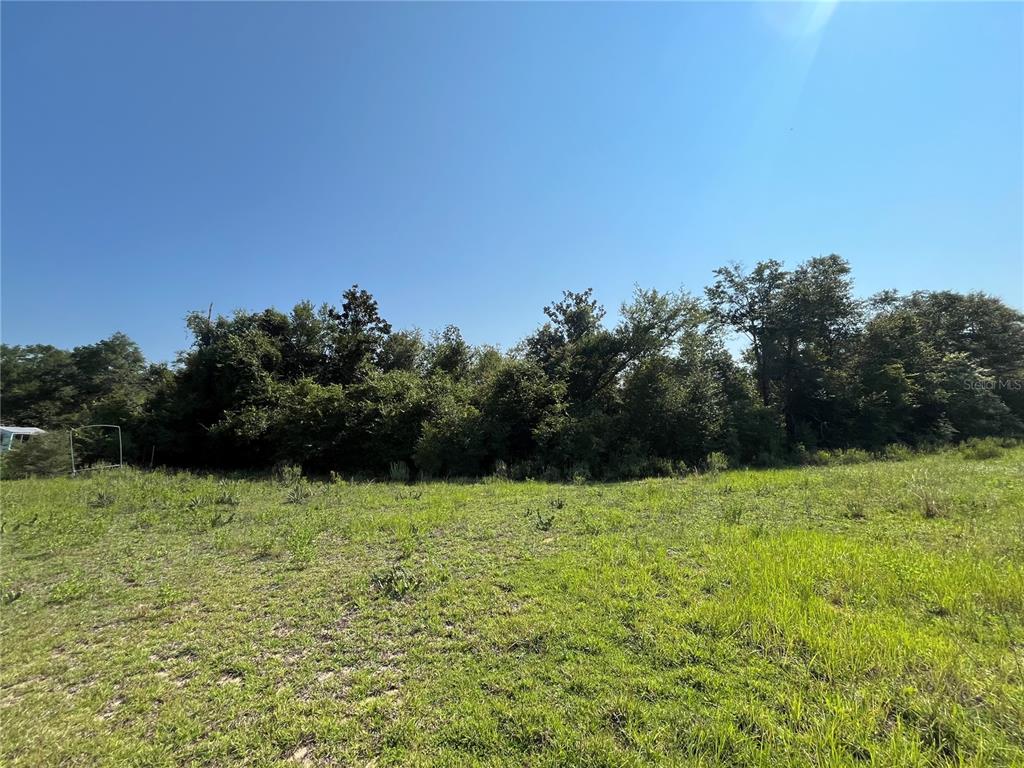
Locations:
870 614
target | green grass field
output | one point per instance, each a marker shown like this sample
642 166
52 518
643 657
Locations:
870 614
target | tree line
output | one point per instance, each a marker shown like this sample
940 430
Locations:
336 388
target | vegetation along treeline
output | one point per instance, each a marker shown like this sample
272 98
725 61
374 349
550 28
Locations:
338 389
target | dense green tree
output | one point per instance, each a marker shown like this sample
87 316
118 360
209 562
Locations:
39 386
448 353
752 304
355 336
403 351
514 402
336 389
802 326
928 367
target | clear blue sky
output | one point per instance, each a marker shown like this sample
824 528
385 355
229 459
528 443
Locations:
466 163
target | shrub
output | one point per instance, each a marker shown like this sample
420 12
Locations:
551 475
580 473
300 546
288 474
544 522
226 498
768 460
981 450
716 462
299 493
101 500
43 455
933 502
451 443
398 472
839 457
896 452
523 470
800 455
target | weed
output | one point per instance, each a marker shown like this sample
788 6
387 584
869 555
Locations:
73 588
932 499
732 513
398 472
298 493
20 524
545 522
840 457
300 546
288 474
101 499
166 596
395 582
932 504
855 510
221 542
9 595
263 546
217 519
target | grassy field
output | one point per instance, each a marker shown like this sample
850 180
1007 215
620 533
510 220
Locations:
853 615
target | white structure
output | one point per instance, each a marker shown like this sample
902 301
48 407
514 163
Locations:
12 436
120 447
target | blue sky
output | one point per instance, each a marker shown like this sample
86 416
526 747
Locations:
465 163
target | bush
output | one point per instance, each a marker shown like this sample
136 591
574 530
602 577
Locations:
43 455
982 450
299 493
451 443
716 462
398 472
288 474
769 460
580 473
523 470
839 457
551 474
896 452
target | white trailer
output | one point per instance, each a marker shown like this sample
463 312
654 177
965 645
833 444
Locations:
13 436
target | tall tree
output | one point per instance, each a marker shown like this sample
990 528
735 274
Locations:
356 337
752 304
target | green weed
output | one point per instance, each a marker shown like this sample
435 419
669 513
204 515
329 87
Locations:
395 582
